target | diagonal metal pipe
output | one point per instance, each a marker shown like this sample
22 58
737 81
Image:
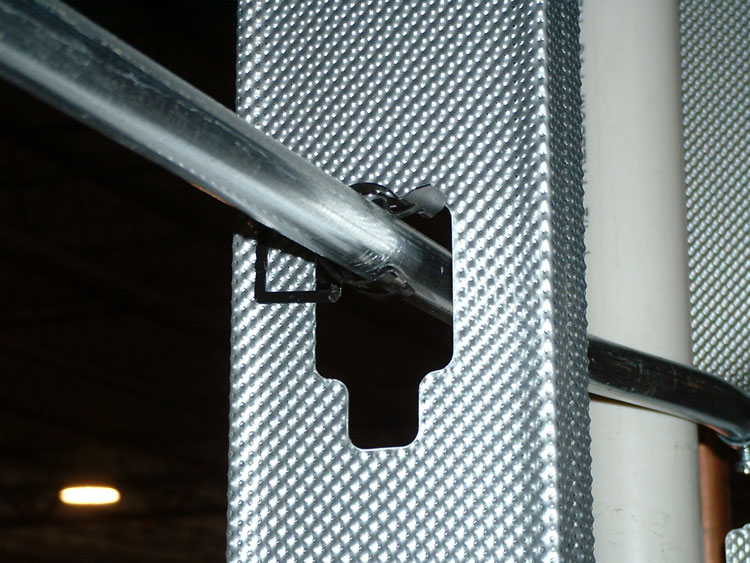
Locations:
58 55
640 379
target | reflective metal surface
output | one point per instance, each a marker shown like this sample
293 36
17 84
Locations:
481 100
715 47
743 465
738 545
715 50
640 379
60 56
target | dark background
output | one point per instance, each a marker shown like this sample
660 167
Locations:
114 288
114 341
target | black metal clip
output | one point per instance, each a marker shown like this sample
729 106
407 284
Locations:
425 201
327 291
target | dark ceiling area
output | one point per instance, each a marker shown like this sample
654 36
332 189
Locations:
114 345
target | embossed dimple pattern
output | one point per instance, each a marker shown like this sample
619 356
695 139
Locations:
479 99
737 545
715 38
715 50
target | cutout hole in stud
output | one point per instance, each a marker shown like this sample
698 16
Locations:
381 350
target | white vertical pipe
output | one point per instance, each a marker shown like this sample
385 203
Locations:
645 465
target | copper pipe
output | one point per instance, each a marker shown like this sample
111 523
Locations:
714 481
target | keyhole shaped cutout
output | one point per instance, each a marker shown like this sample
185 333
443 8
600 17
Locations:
381 350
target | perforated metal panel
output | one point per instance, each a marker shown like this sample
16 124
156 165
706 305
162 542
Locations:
480 99
716 99
715 50
738 545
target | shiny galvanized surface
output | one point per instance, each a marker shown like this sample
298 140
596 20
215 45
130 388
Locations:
737 545
480 99
715 49
715 37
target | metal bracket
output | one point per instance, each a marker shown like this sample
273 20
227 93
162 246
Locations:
425 201
327 292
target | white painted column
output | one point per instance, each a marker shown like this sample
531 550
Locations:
645 465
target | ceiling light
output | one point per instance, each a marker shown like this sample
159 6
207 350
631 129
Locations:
89 495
